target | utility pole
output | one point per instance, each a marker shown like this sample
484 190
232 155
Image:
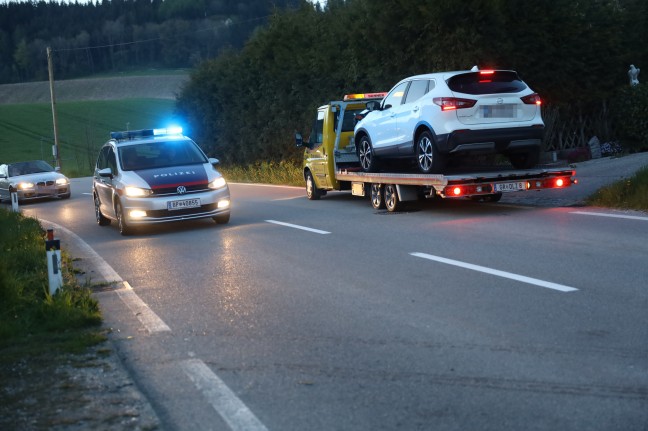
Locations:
50 68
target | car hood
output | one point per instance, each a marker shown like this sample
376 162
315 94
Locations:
37 177
174 176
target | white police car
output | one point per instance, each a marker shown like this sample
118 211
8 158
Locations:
155 176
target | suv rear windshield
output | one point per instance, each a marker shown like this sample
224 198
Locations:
476 83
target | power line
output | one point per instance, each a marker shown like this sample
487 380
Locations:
210 28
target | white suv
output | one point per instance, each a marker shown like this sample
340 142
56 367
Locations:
154 176
435 116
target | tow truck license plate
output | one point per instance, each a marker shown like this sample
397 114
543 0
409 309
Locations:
510 187
180 205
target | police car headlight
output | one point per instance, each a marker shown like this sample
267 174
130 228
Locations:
61 181
25 185
137 192
218 183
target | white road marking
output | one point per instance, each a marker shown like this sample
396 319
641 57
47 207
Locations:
89 255
221 397
87 193
267 185
289 199
143 312
510 275
610 215
321 232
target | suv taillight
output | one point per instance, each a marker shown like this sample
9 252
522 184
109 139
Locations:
451 103
532 99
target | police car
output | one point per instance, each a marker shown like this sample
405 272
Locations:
155 176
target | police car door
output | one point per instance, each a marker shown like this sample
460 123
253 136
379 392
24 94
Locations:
104 185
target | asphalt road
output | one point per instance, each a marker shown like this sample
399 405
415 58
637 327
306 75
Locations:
328 315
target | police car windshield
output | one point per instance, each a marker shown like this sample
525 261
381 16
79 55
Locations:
153 155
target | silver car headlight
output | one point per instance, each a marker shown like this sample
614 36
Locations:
25 185
137 192
218 183
62 181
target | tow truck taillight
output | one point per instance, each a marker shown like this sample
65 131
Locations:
452 103
532 99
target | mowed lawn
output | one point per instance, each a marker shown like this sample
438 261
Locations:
27 131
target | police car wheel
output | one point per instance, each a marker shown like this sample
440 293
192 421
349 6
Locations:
101 219
124 228
222 218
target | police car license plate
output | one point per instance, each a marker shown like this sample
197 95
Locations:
184 204
510 187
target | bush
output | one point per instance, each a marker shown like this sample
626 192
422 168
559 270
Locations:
630 114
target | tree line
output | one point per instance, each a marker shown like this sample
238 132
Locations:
117 35
245 105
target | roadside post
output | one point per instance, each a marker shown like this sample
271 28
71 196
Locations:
53 249
14 202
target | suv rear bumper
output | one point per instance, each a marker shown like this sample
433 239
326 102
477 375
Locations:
506 140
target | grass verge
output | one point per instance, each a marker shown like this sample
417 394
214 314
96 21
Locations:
631 193
282 173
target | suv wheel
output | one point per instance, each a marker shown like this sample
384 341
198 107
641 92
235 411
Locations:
428 158
366 155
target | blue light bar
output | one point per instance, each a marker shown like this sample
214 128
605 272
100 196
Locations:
144 133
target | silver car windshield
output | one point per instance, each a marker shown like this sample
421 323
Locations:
153 155
26 168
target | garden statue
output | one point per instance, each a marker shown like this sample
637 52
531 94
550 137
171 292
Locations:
633 73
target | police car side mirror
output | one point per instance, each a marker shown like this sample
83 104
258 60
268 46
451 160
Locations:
214 161
105 173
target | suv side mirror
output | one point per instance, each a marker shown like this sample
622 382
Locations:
214 161
373 105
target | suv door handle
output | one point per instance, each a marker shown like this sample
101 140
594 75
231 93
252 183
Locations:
415 109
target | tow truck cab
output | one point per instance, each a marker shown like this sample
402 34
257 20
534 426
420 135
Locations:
331 145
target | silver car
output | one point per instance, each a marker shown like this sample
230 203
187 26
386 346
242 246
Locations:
34 179
155 176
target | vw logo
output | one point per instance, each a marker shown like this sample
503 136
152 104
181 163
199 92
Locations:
500 100
181 190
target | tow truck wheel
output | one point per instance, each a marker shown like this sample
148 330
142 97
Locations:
101 219
366 155
124 228
428 159
392 203
377 196
495 197
312 192
524 160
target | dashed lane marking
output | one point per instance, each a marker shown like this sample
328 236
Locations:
509 275
295 226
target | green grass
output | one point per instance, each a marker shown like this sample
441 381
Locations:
284 173
631 193
26 130
27 310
